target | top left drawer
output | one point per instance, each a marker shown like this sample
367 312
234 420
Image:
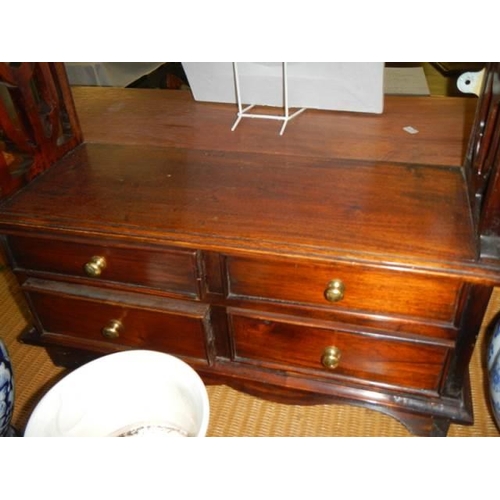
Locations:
169 269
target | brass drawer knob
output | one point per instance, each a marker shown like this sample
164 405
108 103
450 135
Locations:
95 266
113 329
331 357
335 291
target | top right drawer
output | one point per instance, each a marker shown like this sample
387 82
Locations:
342 286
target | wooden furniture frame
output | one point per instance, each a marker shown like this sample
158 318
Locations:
347 261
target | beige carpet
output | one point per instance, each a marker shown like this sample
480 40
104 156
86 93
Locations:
405 81
232 413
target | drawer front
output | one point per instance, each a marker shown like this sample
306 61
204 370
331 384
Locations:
348 287
166 269
287 343
179 330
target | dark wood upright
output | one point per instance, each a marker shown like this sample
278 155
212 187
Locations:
346 261
482 164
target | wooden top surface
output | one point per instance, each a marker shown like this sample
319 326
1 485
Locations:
201 185
173 118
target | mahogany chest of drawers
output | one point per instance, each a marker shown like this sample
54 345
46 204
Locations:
291 267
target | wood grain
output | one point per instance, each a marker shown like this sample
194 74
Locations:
172 118
269 201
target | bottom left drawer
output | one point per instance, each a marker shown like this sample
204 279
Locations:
89 317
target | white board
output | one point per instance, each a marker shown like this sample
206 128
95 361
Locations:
341 86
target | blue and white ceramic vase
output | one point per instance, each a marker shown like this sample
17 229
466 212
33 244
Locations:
6 393
493 361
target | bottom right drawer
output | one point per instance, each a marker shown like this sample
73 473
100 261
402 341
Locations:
295 344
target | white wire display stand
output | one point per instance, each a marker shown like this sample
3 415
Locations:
243 112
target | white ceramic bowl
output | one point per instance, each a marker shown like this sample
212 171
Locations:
136 392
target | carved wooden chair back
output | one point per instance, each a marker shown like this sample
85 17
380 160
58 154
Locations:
38 121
